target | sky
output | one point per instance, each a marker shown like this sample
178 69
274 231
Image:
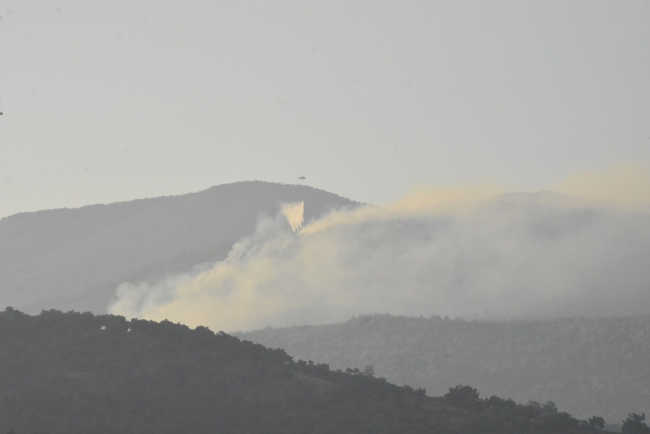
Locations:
112 101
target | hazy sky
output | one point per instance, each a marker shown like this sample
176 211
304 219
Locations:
109 101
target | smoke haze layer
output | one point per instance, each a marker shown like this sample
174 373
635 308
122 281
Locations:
512 256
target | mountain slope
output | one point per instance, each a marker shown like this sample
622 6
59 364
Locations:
75 258
587 366
79 373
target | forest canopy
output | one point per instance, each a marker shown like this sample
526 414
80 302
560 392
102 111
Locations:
79 373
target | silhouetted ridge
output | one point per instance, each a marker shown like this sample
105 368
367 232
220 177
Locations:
80 373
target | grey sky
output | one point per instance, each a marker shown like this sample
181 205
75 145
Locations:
108 101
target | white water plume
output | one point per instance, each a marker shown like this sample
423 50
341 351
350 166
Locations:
294 213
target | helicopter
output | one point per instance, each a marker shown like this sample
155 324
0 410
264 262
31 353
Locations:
300 177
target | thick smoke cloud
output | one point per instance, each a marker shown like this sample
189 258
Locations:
514 256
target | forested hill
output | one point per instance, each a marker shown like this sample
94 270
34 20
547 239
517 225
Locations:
80 373
74 259
586 366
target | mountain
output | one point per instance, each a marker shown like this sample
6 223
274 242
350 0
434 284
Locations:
81 373
587 366
75 258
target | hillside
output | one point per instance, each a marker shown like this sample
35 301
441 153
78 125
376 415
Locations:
79 373
586 366
75 258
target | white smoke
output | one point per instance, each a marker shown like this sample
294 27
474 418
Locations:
515 256
294 213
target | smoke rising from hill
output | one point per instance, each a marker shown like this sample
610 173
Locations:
511 256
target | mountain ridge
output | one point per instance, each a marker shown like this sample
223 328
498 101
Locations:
76 258
586 365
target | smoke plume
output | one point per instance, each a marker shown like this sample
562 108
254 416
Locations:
504 256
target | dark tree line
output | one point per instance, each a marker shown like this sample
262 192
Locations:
83 373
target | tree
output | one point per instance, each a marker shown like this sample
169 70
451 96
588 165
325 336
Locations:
549 407
634 424
597 422
463 396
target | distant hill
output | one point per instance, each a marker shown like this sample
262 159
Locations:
68 373
75 258
586 366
